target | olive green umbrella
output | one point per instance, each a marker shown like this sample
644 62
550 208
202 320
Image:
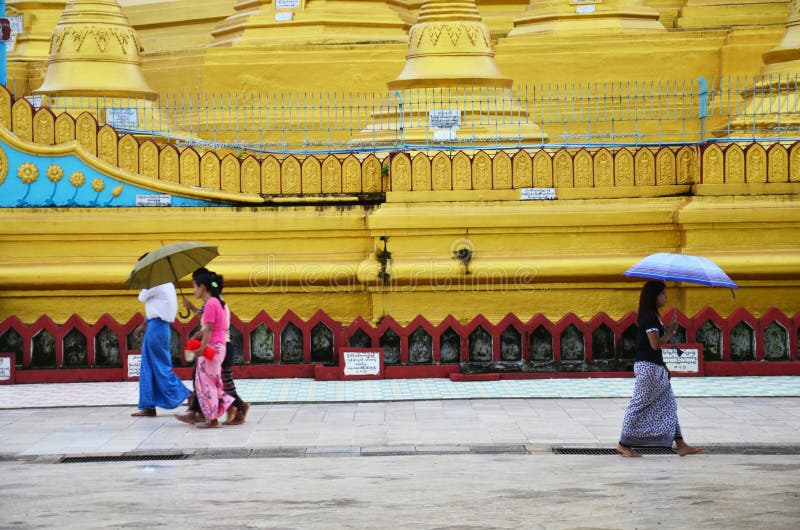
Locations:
170 263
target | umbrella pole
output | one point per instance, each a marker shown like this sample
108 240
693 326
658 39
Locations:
188 313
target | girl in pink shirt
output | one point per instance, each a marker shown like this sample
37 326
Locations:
214 401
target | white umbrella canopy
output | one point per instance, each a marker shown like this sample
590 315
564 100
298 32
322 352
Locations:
666 266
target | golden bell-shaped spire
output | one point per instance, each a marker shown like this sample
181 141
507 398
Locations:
94 51
449 46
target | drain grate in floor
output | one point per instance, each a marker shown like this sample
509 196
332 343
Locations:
118 458
609 451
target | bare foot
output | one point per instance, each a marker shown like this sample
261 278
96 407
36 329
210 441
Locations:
685 449
627 451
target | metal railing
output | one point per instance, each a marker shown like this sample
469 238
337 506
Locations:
632 113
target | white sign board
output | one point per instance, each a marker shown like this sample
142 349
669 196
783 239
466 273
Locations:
5 368
35 101
287 4
154 200
537 194
122 117
444 119
444 135
359 363
284 16
688 361
134 365
585 9
16 29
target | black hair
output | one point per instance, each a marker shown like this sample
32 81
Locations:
648 298
201 270
211 281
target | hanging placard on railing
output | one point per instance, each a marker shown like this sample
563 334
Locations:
444 119
126 118
287 4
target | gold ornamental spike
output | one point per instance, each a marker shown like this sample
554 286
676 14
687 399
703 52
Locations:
94 51
449 46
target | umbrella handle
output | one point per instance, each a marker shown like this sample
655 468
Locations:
187 315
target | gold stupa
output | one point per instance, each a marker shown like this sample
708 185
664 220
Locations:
451 86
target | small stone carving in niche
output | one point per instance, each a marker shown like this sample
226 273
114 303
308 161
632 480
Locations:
133 342
776 343
176 348
360 339
710 336
480 346
511 345
262 345
321 344
450 347
420 346
572 344
629 338
11 342
390 342
679 337
603 343
106 349
44 350
541 346
743 342
75 353
291 344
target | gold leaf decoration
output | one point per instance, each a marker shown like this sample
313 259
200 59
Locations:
116 192
98 185
3 165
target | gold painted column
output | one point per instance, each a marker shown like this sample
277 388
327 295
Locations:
602 16
451 88
772 105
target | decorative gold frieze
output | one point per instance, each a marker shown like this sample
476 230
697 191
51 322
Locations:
44 127
371 174
603 168
756 164
734 165
352 174
562 170
623 168
22 120
645 173
421 167
665 167
290 177
86 132
777 158
3 165
251 176
128 155
462 172
209 171
230 174
713 165
401 172
107 145
312 180
332 173
522 170
441 169
542 172
501 171
168 169
190 167
583 170
148 159
270 176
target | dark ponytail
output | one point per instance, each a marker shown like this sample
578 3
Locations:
212 282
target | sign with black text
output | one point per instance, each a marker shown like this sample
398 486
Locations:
684 359
134 365
357 363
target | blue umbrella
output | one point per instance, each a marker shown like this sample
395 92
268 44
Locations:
681 268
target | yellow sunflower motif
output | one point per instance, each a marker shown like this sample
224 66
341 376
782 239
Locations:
28 173
55 173
116 192
77 179
98 185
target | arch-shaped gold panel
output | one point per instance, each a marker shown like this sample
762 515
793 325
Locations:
502 171
312 176
794 163
645 168
128 153
756 164
584 177
251 176
371 174
421 172
462 172
168 165
331 175
270 176
441 172
86 132
713 170
603 168
623 168
290 176
230 174
401 172
734 165
65 129
107 145
22 119
777 166
542 170
523 170
209 172
351 175
5 108
562 170
148 159
665 167
686 166
44 127
190 167
481 171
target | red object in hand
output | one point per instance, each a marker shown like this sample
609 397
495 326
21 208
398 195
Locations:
208 353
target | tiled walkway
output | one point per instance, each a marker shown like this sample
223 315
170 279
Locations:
311 391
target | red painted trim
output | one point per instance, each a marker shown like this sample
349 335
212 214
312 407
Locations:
420 371
69 375
751 368
456 377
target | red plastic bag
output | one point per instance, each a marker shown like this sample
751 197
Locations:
208 353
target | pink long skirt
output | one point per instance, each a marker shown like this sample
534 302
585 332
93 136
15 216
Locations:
208 385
